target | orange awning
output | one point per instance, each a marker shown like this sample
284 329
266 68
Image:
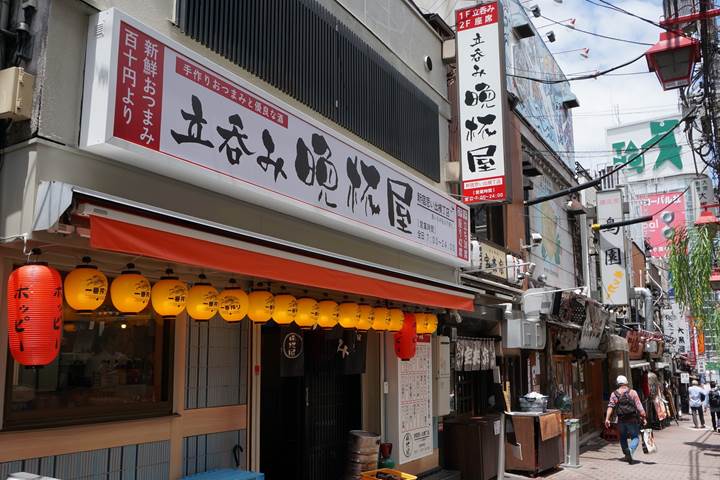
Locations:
177 243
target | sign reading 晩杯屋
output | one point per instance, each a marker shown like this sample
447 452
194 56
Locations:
481 91
157 105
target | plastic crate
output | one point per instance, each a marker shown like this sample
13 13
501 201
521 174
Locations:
226 474
372 474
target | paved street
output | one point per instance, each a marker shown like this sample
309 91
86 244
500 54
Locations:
684 453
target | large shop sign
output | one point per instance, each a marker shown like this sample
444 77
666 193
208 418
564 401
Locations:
613 262
157 105
481 88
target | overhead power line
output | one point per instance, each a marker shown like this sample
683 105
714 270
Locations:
611 6
581 77
607 37
598 181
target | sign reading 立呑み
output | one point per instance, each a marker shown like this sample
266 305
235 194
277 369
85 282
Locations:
159 106
481 92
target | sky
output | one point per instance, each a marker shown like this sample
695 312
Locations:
636 97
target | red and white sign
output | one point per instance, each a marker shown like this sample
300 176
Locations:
481 90
658 231
159 106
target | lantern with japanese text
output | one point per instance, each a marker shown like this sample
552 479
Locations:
169 295
286 309
421 323
130 292
349 314
406 338
35 314
431 323
381 319
328 314
233 302
202 301
366 318
261 306
307 313
397 317
85 287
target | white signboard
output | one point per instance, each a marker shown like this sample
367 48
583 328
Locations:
481 90
614 269
415 403
155 104
669 156
684 377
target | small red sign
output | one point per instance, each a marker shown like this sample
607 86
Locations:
476 16
138 102
462 223
491 189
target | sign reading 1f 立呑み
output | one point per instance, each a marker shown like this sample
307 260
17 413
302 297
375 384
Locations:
160 106
481 90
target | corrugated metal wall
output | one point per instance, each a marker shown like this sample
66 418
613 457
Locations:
207 452
300 48
216 363
146 461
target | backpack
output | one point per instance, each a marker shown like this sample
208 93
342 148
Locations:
714 399
625 406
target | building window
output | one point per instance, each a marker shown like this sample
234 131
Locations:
110 367
303 50
488 223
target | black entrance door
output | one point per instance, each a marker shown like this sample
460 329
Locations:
305 418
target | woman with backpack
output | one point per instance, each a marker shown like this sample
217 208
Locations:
625 402
714 402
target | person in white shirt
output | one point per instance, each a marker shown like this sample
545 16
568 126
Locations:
698 402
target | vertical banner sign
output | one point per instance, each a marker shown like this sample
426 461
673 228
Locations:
415 403
658 231
613 266
154 104
481 92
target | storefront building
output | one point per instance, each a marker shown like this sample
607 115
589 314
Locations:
325 213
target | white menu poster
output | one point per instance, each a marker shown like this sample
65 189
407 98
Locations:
415 403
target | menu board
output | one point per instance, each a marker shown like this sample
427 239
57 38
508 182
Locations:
415 403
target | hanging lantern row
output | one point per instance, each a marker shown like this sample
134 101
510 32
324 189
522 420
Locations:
86 288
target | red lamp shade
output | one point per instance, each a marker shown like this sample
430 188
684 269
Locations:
35 314
715 280
708 219
672 59
406 339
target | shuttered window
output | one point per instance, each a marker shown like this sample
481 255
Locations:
300 48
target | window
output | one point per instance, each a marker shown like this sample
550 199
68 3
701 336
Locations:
313 57
110 367
488 223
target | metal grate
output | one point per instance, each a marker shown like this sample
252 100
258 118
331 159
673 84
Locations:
300 48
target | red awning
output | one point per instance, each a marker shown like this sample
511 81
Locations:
180 244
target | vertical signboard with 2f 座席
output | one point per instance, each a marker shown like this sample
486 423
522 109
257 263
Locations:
481 90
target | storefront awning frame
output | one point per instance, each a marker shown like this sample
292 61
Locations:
55 199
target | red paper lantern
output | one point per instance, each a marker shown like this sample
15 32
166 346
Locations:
35 314
406 339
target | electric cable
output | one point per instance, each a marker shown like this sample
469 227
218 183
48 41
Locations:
581 77
610 6
608 37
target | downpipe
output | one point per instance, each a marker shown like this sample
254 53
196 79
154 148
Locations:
647 297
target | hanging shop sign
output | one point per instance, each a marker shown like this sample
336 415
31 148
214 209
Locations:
415 403
613 264
159 106
488 259
481 90
593 327
658 231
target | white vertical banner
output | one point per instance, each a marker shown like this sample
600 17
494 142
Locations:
481 94
614 269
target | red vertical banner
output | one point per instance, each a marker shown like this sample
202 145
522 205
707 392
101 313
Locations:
692 358
461 216
138 97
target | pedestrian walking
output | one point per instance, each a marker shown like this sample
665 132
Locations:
625 402
714 404
698 403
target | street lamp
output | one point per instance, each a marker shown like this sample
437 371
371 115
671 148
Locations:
715 279
672 59
709 220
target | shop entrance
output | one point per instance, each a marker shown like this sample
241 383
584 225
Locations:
308 405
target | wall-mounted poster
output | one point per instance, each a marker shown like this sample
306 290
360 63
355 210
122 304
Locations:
415 403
